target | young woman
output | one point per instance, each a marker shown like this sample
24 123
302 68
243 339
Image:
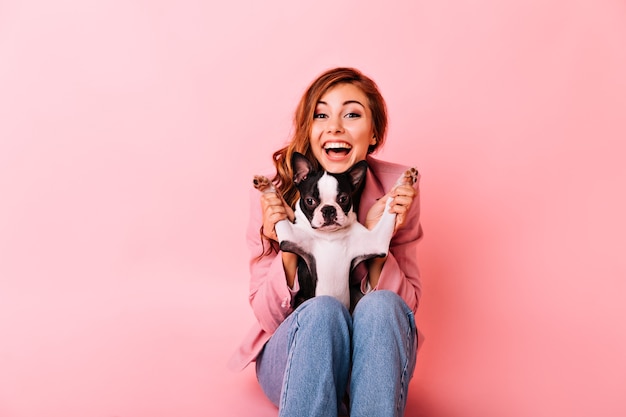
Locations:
321 358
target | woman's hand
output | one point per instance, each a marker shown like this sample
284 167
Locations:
274 209
403 196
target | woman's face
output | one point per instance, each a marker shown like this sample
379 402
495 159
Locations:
342 128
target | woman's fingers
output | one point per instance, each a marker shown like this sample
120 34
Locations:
403 197
270 199
274 210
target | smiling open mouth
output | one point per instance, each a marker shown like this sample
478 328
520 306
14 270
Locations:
337 148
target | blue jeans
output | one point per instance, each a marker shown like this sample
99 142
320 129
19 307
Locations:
320 353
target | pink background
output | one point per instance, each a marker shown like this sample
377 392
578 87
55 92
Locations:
129 131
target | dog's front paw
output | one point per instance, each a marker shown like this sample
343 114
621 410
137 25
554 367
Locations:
408 177
262 183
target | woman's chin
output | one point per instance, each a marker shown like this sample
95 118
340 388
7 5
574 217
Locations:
337 163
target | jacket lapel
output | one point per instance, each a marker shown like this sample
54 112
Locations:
372 191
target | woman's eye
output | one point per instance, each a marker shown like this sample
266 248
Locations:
319 116
352 115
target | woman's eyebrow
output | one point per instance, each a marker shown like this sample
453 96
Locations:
344 103
353 102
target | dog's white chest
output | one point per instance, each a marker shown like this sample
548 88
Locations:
333 253
333 260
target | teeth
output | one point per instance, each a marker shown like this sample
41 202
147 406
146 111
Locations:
337 145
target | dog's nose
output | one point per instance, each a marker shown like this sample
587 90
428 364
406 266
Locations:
329 213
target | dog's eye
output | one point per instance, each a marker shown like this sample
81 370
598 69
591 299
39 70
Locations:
310 201
342 199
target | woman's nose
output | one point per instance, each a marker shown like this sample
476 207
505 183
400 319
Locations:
334 125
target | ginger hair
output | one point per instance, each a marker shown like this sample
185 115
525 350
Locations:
303 118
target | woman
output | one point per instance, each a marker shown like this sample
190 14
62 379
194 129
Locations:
322 358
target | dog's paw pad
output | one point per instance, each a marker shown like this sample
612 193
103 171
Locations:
261 182
409 177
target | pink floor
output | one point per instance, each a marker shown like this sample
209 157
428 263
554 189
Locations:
153 345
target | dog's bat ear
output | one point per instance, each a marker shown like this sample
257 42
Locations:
301 167
357 174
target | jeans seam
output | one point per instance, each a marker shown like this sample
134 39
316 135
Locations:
405 369
283 396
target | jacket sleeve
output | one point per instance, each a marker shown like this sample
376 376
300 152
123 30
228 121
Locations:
400 272
270 297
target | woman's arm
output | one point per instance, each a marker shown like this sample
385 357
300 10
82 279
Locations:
398 271
273 282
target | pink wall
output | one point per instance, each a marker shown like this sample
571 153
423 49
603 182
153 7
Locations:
129 131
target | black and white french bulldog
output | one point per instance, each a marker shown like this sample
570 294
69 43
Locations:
326 234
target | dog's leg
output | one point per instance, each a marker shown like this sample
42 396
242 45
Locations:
379 237
289 239
287 236
409 177
388 220
263 184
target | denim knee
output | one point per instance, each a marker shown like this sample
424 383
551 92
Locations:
378 305
323 309
383 351
318 363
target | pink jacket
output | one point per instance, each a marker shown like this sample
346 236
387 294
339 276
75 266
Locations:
272 299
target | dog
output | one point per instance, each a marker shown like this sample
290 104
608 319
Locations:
326 234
